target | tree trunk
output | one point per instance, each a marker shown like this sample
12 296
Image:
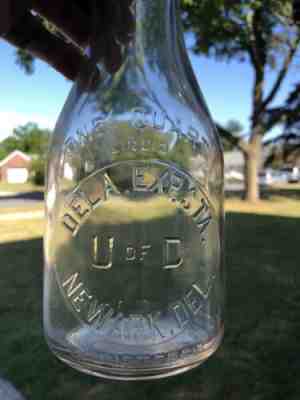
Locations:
252 169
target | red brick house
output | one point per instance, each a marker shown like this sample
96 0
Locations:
15 167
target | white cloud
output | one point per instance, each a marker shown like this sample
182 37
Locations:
12 119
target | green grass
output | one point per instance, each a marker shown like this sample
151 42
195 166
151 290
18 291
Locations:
18 231
259 359
21 209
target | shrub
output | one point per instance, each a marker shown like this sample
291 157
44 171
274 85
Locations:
38 171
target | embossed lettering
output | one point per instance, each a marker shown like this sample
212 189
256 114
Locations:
72 285
95 310
189 204
206 293
172 253
80 299
96 253
194 300
144 251
202 216
70 223
94 199
130 253
106 313
79 205
181 314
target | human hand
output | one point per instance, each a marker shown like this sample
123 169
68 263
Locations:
78 21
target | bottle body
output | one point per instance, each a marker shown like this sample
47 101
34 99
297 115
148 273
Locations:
134 280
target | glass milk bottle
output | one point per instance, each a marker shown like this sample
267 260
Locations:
134 275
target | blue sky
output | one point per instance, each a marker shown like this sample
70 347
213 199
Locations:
40 97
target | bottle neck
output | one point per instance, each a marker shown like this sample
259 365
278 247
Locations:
155 29
153 37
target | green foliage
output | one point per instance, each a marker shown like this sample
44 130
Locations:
261 32
234 128
38 171
85 148
227 28
227 146
28 138
7 146
32 140
25 60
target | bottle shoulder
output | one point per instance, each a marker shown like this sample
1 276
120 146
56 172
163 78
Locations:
143 99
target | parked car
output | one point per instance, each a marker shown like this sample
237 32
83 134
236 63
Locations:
234 176
292 173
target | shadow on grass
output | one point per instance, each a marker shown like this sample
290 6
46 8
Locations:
292 192
259 358
36 195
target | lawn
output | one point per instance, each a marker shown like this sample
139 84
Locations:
20 187
259 359
21 209
19 232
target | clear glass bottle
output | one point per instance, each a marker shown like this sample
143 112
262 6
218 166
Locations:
134 276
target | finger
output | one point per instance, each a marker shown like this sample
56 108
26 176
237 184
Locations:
67 16
32 36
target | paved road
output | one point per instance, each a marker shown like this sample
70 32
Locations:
36 198
21 199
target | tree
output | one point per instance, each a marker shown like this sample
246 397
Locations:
30 139
37 170
263 33
234 128
7 146
25 60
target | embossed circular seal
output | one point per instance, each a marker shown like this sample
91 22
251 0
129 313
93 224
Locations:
136 238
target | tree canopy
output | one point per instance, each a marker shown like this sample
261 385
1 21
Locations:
28 138
261 32
235 129
264 34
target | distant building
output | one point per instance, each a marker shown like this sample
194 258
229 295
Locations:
234 165
15 167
